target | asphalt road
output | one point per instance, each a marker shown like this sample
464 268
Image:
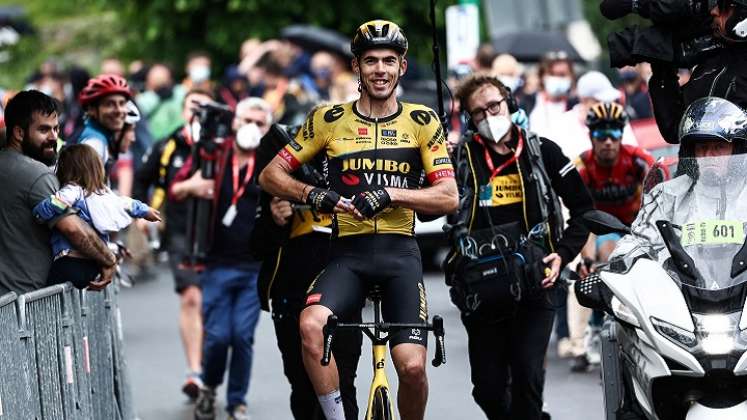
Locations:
157 365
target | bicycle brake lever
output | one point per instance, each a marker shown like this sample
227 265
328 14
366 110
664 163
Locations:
438 331
329 332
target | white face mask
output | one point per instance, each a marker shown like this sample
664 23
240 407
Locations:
199 73
194 130
248 137
494 127
557 86
511 82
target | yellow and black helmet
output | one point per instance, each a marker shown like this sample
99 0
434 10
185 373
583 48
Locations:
378 34
606 115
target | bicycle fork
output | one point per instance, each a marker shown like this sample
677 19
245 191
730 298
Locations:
379 382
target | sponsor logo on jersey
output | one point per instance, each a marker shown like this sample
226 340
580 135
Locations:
420 116
350 179
334 114
389 133
434 148
362 131
308 126
438 137
294 144
441 161
388 141
386 180
386 165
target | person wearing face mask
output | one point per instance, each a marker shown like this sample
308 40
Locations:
161 102
557 80
230 303
509 181
198 72
157 172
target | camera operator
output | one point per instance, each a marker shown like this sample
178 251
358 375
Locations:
709 33
229 283
508 180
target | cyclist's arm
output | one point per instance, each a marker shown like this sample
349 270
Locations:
440 198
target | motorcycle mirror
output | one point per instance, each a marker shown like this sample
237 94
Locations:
602 223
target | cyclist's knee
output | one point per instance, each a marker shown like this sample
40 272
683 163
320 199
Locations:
410 364
312 320
191 298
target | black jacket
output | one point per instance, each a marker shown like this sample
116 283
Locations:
723 74
159 168
472 171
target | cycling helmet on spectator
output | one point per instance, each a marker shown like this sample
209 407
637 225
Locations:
606 115
378 34
103 85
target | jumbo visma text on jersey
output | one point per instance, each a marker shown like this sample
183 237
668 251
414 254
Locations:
404 150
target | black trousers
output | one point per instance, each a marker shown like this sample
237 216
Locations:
302 259
507 361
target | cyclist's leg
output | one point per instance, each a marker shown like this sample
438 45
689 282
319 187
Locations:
336 290
404 301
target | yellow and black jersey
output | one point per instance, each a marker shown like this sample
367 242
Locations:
400 151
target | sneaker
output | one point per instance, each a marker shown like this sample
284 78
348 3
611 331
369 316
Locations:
565 349
580 364
240 412
192 385
205 404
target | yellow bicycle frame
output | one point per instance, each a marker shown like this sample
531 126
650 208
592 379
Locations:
379 379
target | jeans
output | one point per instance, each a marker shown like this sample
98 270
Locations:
507 361
230 310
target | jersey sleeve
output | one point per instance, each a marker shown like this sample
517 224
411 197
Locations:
310 140
58 204
98 146
433 152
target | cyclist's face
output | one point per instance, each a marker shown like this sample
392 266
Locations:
379 72
110 112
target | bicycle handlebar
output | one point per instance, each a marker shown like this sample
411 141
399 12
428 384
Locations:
333 325
329 333
438 331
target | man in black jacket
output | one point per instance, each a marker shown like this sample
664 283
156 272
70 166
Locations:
723 73
293 244
508 181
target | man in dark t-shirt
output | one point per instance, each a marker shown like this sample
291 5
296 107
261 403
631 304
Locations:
32 127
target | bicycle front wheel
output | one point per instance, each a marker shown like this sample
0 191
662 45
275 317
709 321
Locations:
382 407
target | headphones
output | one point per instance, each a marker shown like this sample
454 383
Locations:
511 103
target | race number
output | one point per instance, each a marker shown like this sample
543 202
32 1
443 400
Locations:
713 232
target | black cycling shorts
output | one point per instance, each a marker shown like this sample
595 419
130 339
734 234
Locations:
358 262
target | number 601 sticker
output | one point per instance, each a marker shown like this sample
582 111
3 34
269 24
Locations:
713 232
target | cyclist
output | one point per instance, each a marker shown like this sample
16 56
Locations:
380 151
105 100
613 172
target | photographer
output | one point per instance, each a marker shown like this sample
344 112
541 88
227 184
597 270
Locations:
509 179
709 36
229 283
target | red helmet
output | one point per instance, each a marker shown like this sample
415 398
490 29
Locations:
102 85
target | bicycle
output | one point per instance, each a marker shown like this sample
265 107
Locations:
380 404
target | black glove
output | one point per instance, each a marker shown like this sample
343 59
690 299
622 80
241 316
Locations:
372 202
321 200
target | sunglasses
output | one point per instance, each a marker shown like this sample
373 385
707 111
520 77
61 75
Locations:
611 133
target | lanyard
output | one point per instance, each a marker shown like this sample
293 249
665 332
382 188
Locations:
489 161
239 191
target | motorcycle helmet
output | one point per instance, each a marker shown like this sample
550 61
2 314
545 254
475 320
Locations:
102 85
708 119
378 34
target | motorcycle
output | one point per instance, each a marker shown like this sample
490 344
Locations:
675 343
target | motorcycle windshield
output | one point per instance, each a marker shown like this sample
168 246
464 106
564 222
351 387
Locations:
694 221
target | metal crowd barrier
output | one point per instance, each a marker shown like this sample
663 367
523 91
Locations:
62 356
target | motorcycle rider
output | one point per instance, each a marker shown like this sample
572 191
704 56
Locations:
713 137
